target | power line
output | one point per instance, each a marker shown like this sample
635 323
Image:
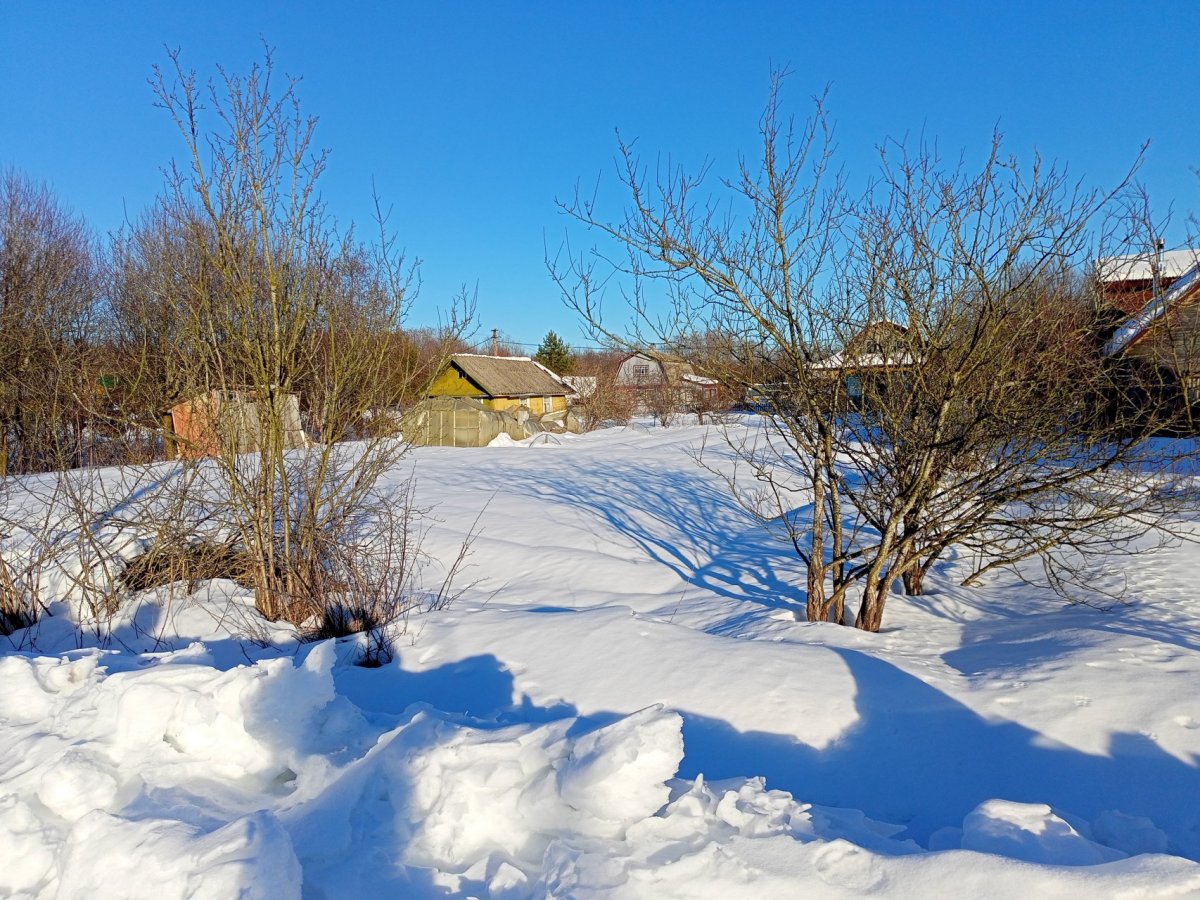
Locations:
502 341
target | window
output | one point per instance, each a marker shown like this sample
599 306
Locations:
547 404
641 371
1191 390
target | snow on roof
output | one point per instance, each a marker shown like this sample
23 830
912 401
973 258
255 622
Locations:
1140 266
1136 325
841 360
580 385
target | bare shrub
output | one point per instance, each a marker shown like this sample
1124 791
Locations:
607 404
371 574
187 561
268 294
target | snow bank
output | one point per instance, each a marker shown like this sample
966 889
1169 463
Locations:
473 798
1032 832
173 779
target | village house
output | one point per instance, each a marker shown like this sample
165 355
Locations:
1155 300
502 383
1127 283
874 359
655 381
474 399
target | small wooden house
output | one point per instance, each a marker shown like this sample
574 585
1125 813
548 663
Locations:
650 377
232 419
502 383
875 359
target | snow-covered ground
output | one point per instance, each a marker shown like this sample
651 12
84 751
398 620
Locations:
624 702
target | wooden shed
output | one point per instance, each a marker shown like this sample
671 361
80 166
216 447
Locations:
217 419
502 383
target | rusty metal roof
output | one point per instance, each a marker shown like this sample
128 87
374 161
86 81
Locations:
509 376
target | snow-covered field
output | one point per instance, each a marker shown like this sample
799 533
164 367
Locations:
624 702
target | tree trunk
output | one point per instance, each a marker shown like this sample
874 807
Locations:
914 581
870 613
837 610
170 442
817 608
913 576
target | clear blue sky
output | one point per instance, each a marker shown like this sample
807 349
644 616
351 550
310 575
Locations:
472 118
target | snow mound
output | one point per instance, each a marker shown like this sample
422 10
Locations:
1032 832
156 859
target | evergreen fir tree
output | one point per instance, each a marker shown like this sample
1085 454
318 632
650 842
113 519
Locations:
555 355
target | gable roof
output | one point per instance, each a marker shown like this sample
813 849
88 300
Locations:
673 369
1141 322
509 376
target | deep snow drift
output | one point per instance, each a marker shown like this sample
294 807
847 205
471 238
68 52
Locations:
625 702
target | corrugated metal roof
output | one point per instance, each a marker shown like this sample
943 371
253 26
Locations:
509 376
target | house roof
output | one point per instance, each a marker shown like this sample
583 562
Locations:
863 349
509 376
1140 266
675 370
1141 321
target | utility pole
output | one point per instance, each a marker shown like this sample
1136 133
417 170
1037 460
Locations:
495 342
1156 271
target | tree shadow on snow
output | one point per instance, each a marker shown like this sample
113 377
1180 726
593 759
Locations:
919 758
1007 632
693 527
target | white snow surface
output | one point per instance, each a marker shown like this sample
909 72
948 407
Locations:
625 702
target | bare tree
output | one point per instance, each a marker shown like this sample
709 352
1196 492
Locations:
978 424
992 434
770 286
47 295
266 298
